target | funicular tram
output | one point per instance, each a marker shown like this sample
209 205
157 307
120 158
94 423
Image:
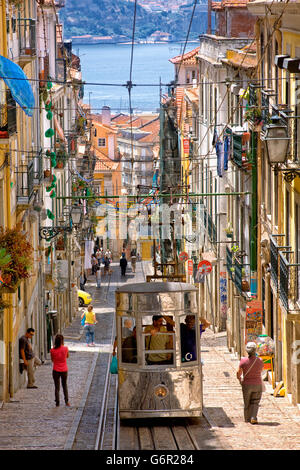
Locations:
158 343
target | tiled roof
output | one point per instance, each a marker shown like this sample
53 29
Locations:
229 4
242 58
189 58
103 163
153 128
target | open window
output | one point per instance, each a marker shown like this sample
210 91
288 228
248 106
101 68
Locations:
159 340
188 338
128 340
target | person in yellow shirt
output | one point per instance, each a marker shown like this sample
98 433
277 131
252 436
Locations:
89 325
157 341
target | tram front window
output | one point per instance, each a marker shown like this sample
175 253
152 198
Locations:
129 344
159 339
188 338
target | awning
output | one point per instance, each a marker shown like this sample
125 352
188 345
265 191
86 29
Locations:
18 83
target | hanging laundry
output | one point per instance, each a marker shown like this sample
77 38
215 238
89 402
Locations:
220 158
215 137
226 151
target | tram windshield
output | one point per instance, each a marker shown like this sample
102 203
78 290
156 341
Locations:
129 344
188 338
159 333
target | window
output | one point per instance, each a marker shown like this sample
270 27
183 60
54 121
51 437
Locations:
101 142
95 132
128 340
159 339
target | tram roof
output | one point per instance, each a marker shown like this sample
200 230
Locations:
156 287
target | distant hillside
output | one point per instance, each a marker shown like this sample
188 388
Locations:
115 18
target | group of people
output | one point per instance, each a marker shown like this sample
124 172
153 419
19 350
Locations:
133 259
100 257
158 337
59 354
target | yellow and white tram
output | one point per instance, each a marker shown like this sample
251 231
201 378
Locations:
158 342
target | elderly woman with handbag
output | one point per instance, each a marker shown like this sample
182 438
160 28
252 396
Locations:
252 385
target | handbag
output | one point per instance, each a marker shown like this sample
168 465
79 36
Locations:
114 365
83 320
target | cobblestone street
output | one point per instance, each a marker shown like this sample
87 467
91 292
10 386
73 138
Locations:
32 421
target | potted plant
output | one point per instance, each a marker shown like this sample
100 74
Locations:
254 115
229 230
16 245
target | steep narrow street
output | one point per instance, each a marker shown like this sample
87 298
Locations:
32 421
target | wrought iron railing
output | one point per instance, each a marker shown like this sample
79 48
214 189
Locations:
274 261
238 277
284 281
8 115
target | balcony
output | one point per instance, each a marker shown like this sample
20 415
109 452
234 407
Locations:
8 117
27 40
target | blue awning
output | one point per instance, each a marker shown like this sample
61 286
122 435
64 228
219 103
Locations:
18 84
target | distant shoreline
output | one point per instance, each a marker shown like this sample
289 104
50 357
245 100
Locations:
90 42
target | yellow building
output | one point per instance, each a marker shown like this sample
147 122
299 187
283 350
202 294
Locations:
19 181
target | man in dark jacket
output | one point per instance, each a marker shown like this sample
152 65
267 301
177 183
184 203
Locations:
123 264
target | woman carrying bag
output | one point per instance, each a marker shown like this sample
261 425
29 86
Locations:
252 385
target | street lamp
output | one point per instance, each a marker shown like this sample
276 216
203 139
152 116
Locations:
48 233
75 214
276 142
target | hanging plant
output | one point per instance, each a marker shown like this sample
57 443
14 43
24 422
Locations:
15 242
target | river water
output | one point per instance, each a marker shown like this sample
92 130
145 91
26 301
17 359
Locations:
106 70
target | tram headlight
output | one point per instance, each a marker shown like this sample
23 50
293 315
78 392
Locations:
161 391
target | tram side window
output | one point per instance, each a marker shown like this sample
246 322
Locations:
129 344
188 338
159 339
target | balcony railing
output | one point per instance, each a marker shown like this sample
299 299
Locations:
8 116
25 182
274 261
284 281
27 37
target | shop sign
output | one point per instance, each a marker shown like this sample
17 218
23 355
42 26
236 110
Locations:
253 326
186 146
190 267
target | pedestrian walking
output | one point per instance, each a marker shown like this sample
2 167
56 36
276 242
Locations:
133 260
82 280
123 264
252 386
27 356
106 263
89 325
98 277
94 263
59 354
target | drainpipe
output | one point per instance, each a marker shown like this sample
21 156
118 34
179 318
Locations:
255 204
